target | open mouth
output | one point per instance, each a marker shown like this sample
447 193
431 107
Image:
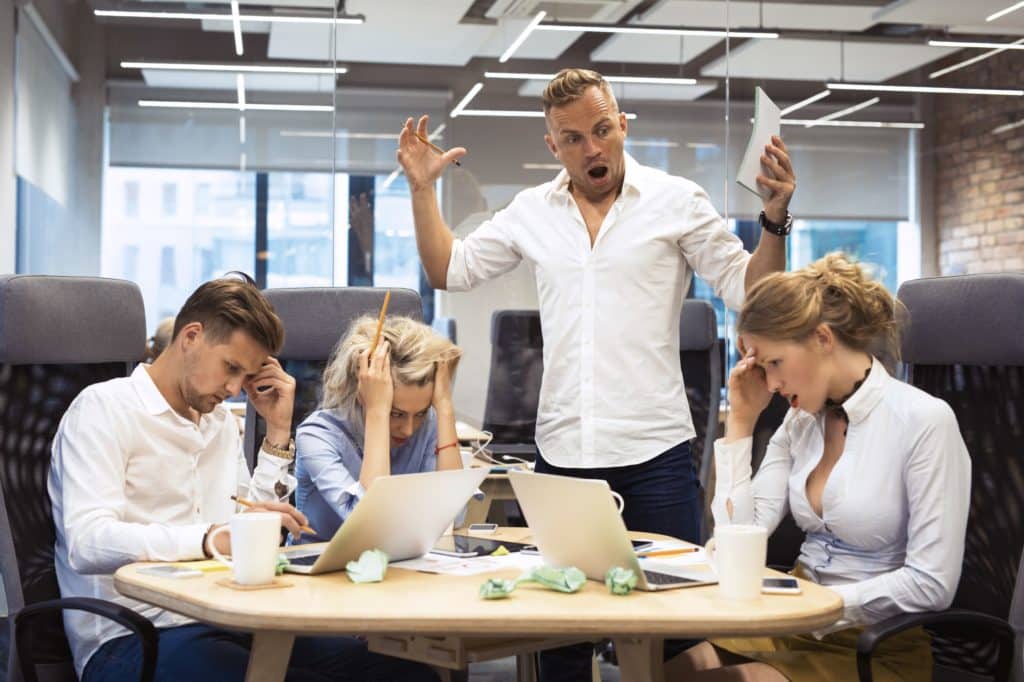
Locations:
598 172
794 402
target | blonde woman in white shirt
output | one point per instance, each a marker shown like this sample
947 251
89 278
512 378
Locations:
874 470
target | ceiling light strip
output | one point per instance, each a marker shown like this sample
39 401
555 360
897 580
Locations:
512 113
868 87
804 102
655 30
235 68
974 44
457 111
517 43
972 60
241 129
174 104
211 16
844 112
236 27
240 86
1004 12
853 124
649 80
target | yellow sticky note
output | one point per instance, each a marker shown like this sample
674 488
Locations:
501 551
206 566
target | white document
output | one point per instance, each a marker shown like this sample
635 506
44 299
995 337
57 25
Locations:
766 123
444 565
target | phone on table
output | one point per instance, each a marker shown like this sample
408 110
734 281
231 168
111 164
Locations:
638 546
170 571
466 546
780 586
483 527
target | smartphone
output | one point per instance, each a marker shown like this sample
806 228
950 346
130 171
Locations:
483 527
780 586
465 546
169 571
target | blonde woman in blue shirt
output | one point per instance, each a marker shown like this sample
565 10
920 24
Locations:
381 415
874 470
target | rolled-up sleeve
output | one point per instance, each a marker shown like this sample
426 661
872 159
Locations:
713 252
488 252
321 458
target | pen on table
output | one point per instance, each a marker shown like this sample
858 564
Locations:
248 503
434 147
667 552
380 324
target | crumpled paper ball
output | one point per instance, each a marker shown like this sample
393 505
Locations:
497 588
370 567
620 580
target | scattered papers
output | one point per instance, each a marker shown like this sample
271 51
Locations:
445 565
620 580
370 567
496 588
569 579
766 123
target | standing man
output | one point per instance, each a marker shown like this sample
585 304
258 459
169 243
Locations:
144 468
612 245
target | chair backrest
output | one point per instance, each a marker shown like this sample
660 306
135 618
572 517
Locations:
513 385
701 361
963 344
57 336
314 319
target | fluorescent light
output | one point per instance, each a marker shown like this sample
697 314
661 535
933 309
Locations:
507 54
236 27
1007 127
651 80
339 133
241 130
1004 12
804 102
542 166
241 162
466 100
630 142
168 104
240 85
702 145
976 44
843 112
211 16
851 124
235 68
921 88
511 113
655 30
972 60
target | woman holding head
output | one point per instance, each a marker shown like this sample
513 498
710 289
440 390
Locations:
382 414
873 470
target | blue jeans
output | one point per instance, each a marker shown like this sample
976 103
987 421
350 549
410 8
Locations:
200 653
661 495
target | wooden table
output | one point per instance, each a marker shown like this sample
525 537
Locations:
417 612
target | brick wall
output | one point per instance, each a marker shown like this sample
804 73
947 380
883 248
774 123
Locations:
979 176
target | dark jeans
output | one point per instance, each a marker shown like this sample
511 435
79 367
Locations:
200 653
661 495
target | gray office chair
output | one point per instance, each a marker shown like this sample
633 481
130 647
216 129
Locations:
314 320
964 345
57 336
513 383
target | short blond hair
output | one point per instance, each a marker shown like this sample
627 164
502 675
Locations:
415 351
569 85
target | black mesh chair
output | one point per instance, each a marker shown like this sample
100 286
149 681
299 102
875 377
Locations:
57 336
701 361
314 320
964 346
513 385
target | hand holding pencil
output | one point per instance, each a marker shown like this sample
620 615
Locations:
422 160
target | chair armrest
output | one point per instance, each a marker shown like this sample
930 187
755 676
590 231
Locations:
140 626
998 629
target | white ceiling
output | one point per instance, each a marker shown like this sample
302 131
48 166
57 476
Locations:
967 16
820 60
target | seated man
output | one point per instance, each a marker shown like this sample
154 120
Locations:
144 468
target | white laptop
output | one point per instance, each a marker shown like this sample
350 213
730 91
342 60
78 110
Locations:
575 522
400 515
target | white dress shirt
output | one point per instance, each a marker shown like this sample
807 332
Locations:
612 393
132 480
891 538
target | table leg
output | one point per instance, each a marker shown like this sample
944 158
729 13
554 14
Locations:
268 658
640 659
526 667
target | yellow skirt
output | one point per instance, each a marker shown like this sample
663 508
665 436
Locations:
906 657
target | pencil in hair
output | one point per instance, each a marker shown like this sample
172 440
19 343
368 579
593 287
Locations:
380 323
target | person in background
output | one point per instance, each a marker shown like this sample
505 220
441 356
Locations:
385 413
144 468
161 338
874 470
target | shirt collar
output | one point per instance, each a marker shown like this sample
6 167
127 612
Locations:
152 399
870 393
631 181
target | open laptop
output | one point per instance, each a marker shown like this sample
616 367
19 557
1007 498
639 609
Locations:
575 523
400 515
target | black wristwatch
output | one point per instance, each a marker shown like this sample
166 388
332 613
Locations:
775 228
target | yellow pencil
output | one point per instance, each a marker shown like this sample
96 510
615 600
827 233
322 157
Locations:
667 552
250 504
380 324
434 147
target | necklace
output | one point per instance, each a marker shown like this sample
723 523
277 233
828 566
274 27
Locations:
836 406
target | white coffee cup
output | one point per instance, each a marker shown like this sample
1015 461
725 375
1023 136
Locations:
738 554
255 539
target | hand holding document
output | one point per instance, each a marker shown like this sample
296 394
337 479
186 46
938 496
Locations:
766 124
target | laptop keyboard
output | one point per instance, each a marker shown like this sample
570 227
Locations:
656 578
307 560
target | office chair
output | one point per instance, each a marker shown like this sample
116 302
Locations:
513 385
57 336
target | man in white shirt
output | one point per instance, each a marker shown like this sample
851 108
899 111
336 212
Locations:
612 245
144 468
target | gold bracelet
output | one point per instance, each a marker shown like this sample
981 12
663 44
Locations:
284 453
